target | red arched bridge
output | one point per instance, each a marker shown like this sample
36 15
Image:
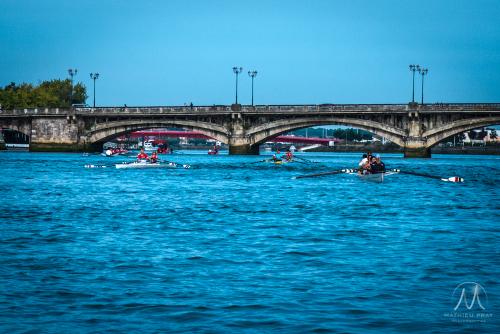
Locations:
199 135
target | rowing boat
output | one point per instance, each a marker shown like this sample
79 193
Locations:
279 162
379 177
375 177
142 165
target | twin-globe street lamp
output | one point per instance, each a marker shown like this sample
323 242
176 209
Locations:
252 74
414 68
237 71
422 71
72 72
94 76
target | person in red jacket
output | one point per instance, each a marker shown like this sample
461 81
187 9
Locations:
142 155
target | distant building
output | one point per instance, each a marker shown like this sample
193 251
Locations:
481 136
492 136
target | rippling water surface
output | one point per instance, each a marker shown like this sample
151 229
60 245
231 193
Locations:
235 246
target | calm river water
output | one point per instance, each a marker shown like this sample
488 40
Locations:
231 246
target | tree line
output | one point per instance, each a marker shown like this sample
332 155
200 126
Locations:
48 94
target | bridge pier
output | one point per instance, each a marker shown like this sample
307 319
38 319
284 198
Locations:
239 142
415 145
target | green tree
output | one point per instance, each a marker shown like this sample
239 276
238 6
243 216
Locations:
48 94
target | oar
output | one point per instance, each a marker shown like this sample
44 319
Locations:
106 166
97 166
445 179
306 160
333 172
256 162
186 166
299 162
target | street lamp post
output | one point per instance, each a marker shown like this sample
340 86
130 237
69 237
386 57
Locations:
423 71
414 68
252 74
237 71
72 72
94 76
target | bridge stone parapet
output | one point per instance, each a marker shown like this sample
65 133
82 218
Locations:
380 108
414 127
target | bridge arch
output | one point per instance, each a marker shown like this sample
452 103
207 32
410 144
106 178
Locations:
100 133
22 126
436 135
260 134
13 136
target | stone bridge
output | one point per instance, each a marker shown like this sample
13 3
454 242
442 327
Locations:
414 127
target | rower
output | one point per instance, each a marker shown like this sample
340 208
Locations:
380 163
363 164
369 156
276 158
363 160
154 158
142 155
289 155
373 167
377 166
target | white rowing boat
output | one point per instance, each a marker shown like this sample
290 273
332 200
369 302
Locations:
377 177
142 165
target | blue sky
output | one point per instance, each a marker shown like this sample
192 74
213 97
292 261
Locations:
175 52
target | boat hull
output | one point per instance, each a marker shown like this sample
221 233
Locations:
280 162
142 165
378 177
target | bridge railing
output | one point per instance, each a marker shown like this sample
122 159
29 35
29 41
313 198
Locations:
155 110
436 107
460 107
35 111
